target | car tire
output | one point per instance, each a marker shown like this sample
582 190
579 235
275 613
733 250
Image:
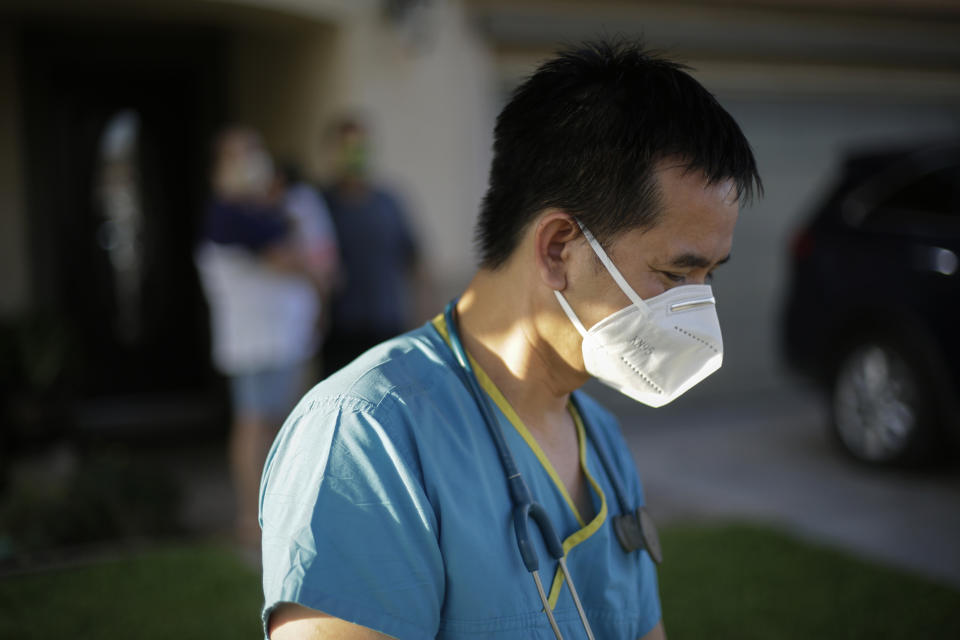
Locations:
884 411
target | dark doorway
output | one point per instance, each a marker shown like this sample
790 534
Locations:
118 120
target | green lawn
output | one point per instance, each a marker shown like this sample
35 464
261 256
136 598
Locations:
178 593
744 582
717 582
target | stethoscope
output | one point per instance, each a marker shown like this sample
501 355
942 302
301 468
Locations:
634 529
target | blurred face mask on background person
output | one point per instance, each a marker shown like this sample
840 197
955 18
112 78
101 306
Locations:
249 175
354 157
352 153
653 350
245 169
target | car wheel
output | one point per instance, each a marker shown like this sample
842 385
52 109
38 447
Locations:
881 408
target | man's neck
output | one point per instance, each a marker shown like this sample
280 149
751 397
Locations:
500 329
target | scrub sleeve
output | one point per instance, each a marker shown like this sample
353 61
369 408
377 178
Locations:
361 544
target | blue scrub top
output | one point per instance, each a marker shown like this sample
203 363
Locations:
383 502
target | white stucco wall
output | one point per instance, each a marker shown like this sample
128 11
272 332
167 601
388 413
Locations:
432 109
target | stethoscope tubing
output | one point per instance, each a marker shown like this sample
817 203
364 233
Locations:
524 508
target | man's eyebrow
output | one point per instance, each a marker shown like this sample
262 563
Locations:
695 261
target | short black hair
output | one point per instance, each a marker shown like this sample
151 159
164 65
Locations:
584 133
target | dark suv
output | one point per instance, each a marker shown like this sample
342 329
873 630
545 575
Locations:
873 305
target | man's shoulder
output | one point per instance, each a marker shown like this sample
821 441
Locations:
403 368
388 404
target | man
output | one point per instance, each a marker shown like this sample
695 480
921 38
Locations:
613 196
378 250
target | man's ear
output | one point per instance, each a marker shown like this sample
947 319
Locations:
552 236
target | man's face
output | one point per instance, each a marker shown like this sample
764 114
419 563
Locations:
692 237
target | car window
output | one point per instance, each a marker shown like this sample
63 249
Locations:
934 192
932 197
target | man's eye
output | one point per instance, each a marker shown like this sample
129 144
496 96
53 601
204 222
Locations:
675 277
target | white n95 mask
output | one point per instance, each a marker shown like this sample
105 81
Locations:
656 349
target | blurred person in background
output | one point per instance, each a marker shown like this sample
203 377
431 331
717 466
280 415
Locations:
380 261
398 499
265 258
313 226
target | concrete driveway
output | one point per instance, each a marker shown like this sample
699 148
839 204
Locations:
768 458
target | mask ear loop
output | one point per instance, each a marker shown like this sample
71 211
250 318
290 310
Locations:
612 269
614 273
567 309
